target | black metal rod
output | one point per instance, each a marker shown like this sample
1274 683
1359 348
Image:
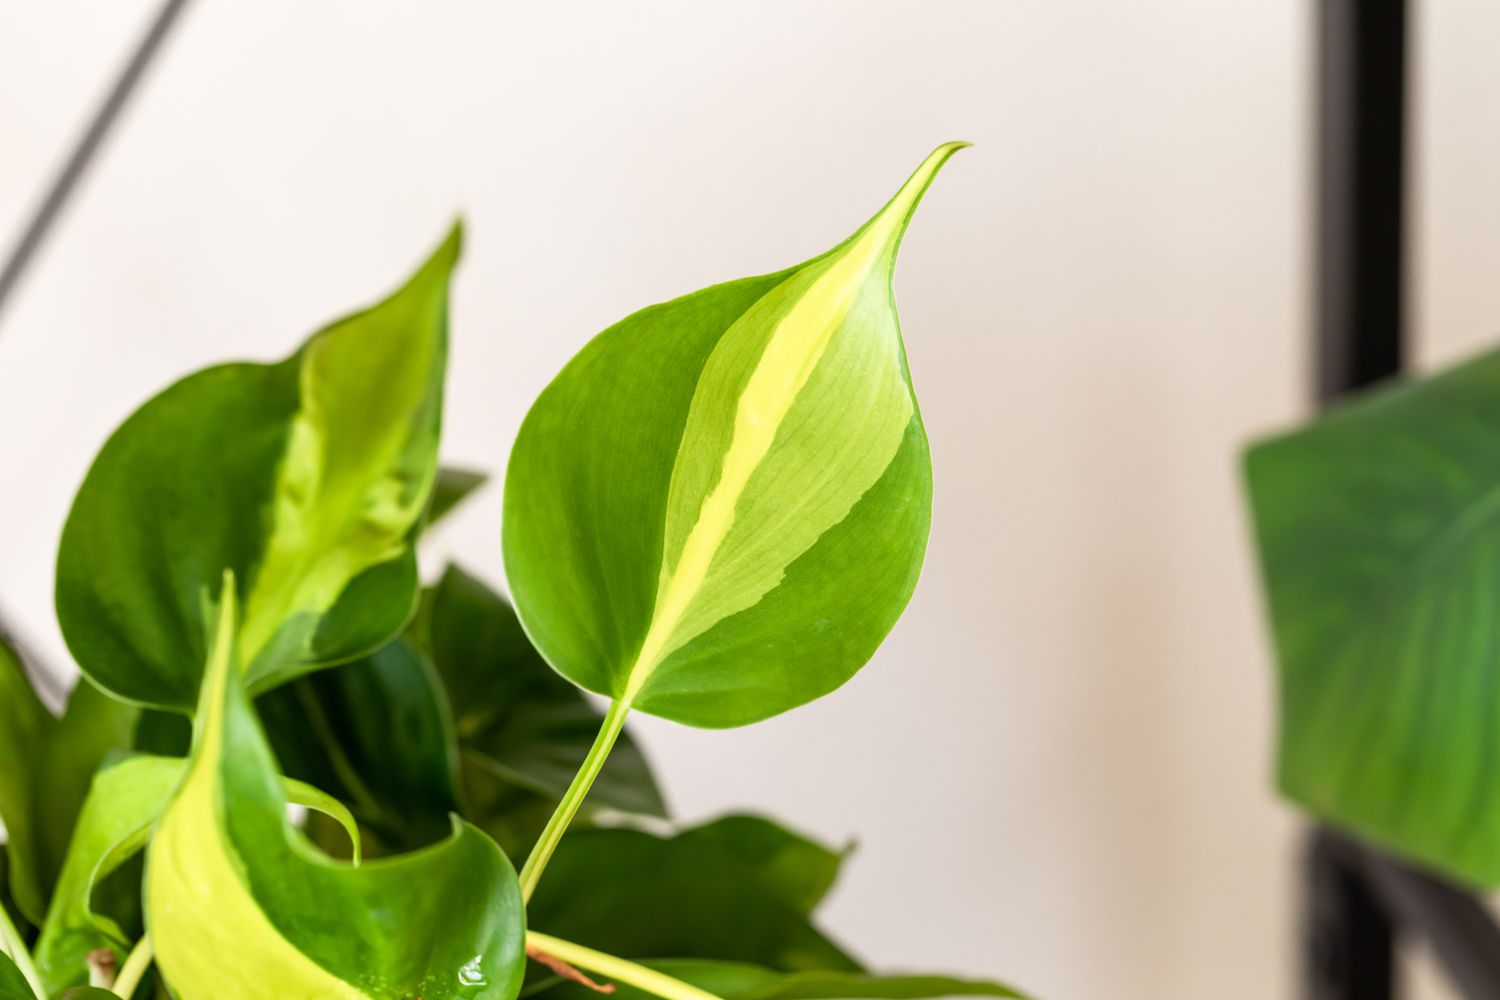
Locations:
1350 940
1361 139
1458 927
1358 899
82 156
1350 933
86 149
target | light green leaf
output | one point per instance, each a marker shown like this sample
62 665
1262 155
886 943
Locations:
308 478
116 819
517 719
640 896
123 804
25 729
1379 534
720 507
453 487
93 729
240 904
736 981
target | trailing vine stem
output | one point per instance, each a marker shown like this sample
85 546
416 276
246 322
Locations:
536 862
134 969
620 969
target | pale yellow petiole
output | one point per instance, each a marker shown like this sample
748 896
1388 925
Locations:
12 945
618 969
614 723
134 969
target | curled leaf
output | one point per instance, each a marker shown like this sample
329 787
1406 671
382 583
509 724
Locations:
308 478
238 903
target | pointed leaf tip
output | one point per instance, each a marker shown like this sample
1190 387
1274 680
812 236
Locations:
717 476
890 223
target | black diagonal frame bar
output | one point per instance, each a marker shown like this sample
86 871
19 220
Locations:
1357 900
87 147
49 208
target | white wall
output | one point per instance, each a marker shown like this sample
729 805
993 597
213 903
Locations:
1057 767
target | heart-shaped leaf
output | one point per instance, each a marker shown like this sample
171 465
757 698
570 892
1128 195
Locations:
308 478
240 904
1378 535
720 507
637 895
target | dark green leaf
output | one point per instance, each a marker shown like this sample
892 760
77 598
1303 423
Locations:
376 734
637 895
13 985
309 478
517 719
452 488
25 729
800 870
1379 535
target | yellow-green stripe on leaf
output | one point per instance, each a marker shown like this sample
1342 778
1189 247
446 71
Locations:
124 801
308 478
720 507
239 904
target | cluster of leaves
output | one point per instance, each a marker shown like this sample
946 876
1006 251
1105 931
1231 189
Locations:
714 514
1379 542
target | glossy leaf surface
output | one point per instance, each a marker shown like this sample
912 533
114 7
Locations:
517 719
238 903
637 895
1380 547
735 981
719 508
308 478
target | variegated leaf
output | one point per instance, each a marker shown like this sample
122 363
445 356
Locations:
720 507
308 478
240 904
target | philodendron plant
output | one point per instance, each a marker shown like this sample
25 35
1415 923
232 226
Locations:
293 771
